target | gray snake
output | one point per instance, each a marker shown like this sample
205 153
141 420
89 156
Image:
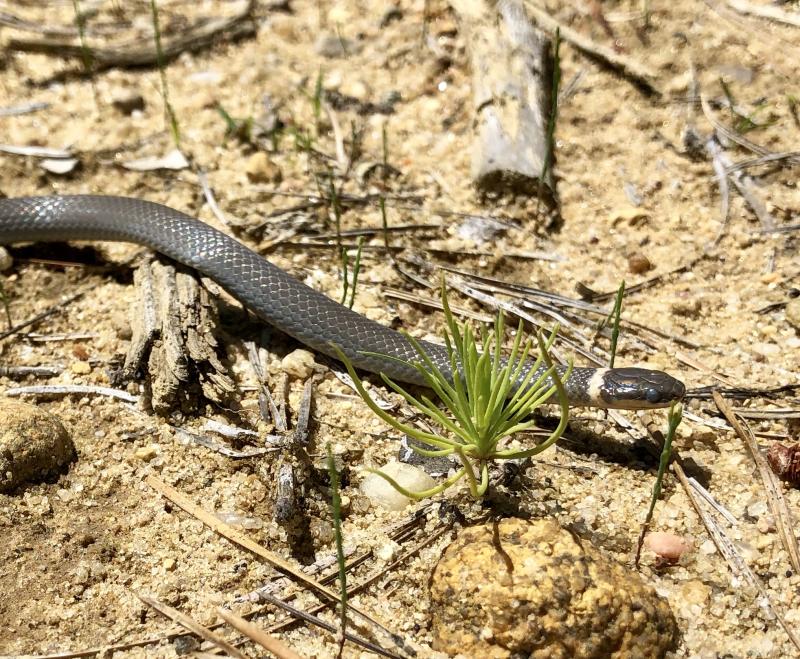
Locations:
279 299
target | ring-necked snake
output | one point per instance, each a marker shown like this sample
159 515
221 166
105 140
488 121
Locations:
278 298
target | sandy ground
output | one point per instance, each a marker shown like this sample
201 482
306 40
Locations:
75 552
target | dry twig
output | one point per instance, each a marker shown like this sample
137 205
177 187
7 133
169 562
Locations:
192 625
141 53
769 12
642 76
772 487
258 635
243 541
734 559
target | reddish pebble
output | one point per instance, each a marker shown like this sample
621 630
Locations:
638 263
667 546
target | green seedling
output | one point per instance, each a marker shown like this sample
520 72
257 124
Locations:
347 284
491 401
615 327
240 129
169 111
673 421
336 511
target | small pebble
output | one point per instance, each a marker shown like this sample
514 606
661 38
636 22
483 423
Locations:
146 453
639 264
765 352
6 261
757 509
792 311
382 494
667 546
33 444
333 46
387 551
185 645
299 364
260 169
80 368
127 102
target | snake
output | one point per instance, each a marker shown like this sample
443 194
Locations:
286 303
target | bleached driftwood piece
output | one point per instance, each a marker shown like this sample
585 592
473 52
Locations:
512 79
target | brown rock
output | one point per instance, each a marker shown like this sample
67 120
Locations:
638 263
532 589
33 444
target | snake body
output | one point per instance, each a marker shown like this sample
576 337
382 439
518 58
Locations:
281 300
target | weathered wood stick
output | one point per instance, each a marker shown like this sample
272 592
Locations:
511 77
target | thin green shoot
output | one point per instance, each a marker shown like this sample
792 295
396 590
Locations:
743 123
385 226
351 285
303 140
342 40
385 153
86 52
241 129
551 120
356 144
356 271
794 103
169 112
316 101
490 399
336 511
615 328
336 209
673 421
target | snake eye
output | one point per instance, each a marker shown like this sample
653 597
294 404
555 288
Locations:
652 395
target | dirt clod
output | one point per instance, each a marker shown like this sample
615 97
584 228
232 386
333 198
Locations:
33 444
531 589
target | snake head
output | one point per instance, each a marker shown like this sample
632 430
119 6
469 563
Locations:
638 389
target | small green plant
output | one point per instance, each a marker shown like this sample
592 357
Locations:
172 118
336 511
491 400
86 52
673 421
793 102
385 226
316 101
743 123
347 284
615 327
241 129
551 120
